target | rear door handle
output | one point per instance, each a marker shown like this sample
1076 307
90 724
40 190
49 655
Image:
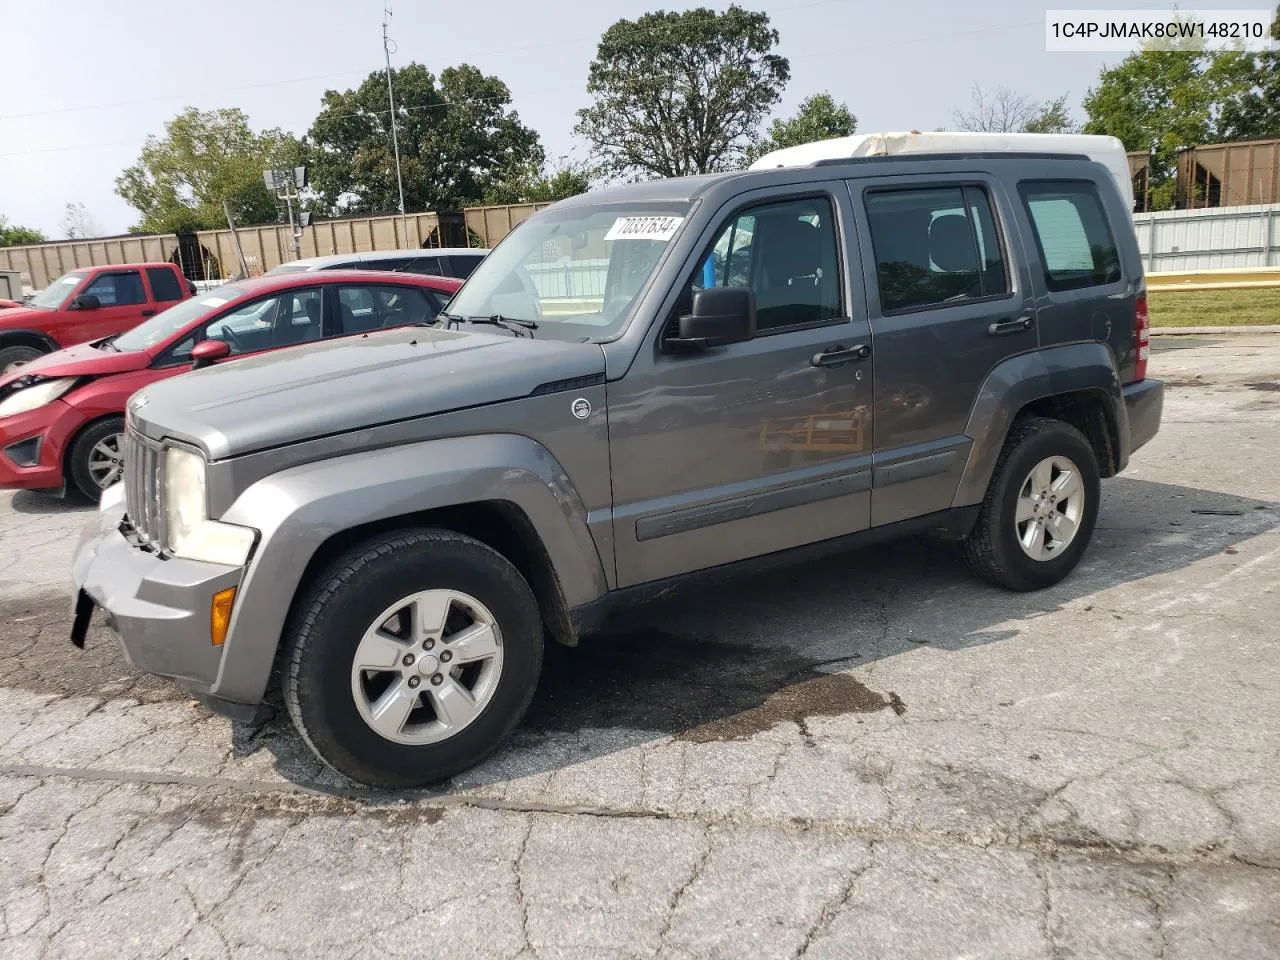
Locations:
148 312
834 356
1004 327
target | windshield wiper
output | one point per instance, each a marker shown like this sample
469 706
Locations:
514 324
449 320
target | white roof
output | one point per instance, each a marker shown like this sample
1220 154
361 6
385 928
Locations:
1108 151
366 256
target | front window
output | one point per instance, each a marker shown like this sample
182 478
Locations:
576 272
165 324
117 289
55 294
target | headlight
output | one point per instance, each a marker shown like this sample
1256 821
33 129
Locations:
191 533
38 395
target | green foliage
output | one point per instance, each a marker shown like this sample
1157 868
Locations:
16 236
818 118
458 140
678 93
1051 117
537 184
1253 110
205 157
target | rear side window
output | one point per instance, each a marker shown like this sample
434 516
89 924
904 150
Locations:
361 309
463 266
934 246
1075 241
164 285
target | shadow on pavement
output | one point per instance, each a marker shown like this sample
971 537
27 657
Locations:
726 655
43 501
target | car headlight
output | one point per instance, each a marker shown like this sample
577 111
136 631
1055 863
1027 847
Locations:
37 395
191 533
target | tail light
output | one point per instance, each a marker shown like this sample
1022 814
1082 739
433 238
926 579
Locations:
1142 336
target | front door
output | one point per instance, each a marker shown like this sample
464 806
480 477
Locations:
946 305
754 447
122 305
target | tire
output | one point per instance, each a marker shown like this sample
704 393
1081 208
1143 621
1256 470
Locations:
325 694
84 459
13 356
993 548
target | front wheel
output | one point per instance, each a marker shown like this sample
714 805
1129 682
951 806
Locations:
96 458
1040 508
411 657
11 358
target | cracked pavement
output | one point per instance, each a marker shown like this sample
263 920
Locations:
870 755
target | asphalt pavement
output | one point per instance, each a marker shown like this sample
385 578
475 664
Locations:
870 755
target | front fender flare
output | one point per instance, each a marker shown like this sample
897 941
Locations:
43 338
297 510
1024 379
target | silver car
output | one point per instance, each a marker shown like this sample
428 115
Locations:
440 262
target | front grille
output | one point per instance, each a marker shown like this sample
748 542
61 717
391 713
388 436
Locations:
142 485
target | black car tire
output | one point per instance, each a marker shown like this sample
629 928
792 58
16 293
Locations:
992 548
18 355
77 469
341 603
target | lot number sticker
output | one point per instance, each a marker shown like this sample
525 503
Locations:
644 228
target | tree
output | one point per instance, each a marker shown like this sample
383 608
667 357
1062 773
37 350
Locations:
182 178
544 183
681 93
78 223
1253 108
818 118
16 236
1007 111
458 139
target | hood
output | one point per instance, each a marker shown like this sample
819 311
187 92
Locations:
335 386
20 317
79 361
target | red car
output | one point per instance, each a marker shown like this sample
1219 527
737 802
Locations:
88 304
61 416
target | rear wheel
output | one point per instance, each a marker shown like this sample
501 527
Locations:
1040 509
411 657
11 358
96 458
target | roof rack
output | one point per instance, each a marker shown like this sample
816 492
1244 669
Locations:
968 155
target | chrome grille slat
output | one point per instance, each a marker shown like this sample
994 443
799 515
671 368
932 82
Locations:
142 488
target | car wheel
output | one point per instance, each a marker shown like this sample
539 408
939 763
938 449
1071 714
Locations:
1040 509
96 458
11 358
411 657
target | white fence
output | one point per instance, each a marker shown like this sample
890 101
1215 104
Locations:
1221 238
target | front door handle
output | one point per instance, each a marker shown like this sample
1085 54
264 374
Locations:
834 356
1004 327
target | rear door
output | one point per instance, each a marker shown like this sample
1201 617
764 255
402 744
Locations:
122 305
946 304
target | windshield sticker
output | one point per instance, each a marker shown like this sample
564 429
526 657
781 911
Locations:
213 301
644 228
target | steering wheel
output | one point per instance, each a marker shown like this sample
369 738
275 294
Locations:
233 341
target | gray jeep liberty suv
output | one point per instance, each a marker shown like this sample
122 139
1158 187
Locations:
638 383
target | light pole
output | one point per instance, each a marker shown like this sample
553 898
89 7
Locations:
395 139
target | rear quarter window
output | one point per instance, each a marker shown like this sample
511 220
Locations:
1076 244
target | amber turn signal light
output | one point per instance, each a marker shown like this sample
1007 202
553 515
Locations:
220 615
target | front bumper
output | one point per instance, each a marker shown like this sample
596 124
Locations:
159 607
1144 401
52 426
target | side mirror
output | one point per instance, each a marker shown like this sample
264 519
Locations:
86 301
207 351
721 315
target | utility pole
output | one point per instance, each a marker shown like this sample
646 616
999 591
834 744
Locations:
288 185
387 43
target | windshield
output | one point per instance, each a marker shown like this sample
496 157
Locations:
55 294
168 322
576 271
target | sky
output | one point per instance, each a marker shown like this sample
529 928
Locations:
85 82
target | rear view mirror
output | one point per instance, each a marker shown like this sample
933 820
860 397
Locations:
721 315
86 301
207 351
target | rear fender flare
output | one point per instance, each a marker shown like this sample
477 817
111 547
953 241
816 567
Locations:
297 510
1026 378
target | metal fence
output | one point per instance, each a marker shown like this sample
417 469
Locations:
1222 238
